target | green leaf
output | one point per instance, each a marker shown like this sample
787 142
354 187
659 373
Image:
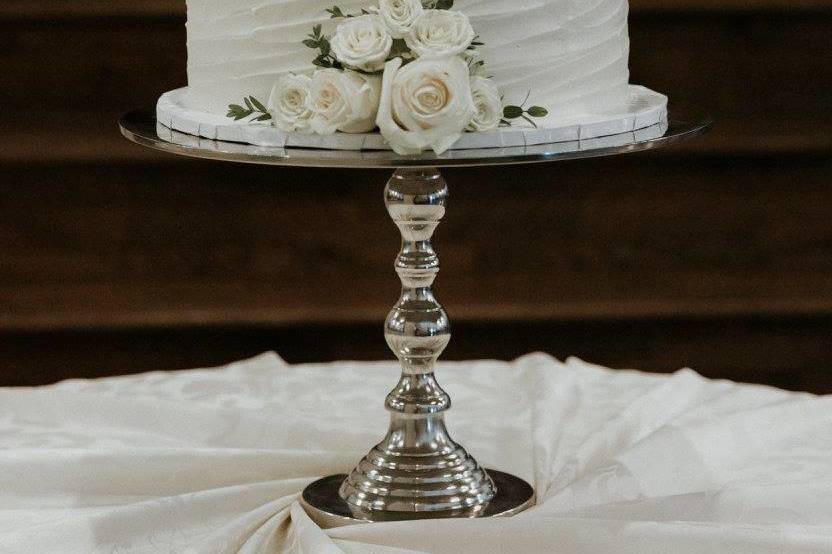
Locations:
316 31
371 73
311 43
474 67
335 11
442 4
512 112
325 47
537 111
322 61
254 107
238 112
258 104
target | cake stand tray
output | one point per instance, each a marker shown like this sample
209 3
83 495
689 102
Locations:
142 127
417 471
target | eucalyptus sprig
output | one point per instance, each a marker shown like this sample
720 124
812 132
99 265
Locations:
475 66
317 41
521 112
252 107
438 4
335 12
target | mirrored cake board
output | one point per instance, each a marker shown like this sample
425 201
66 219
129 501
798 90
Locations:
644 109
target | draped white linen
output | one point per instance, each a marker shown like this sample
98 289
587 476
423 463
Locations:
212 461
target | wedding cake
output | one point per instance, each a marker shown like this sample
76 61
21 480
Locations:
420 72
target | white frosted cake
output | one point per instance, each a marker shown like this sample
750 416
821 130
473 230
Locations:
420 72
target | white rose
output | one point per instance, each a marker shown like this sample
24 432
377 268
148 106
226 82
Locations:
362 42
343 101
488 105
427 103
399 15
440 33
289 104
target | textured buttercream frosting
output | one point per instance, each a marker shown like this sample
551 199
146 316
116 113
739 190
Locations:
570 56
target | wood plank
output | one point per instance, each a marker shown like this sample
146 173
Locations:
106 67
52 9
790 353
16 9
502 299
198 243
718 6
83 138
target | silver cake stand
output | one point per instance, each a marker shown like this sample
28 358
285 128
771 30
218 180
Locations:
417 471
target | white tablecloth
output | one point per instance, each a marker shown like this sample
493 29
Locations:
213 461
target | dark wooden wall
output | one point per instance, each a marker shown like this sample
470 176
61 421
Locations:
716 254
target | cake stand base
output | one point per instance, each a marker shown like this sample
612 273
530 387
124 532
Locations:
326 508
417 471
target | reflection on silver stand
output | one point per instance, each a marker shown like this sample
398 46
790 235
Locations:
417 467
417 471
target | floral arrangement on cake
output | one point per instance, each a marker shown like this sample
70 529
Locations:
410 68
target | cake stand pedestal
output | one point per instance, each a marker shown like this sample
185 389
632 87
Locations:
417 471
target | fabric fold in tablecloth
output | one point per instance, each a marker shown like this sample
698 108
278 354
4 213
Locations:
213 461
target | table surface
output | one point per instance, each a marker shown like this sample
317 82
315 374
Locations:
141 127
213 461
